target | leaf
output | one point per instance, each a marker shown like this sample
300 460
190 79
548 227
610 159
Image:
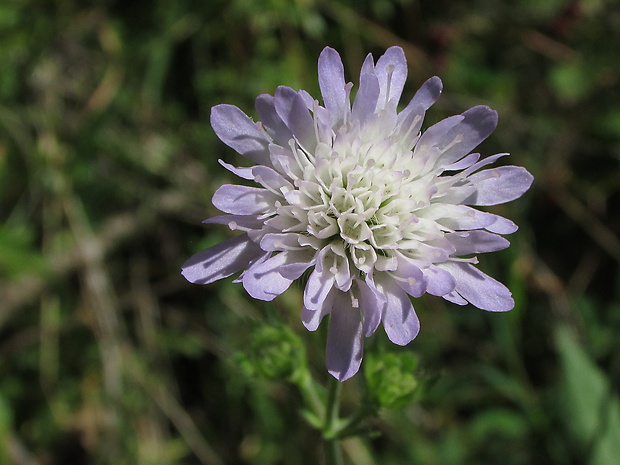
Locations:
592 410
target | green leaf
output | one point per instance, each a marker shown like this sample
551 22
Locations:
592 410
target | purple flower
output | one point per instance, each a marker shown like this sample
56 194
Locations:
353 195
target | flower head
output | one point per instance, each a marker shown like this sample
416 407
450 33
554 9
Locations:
354 195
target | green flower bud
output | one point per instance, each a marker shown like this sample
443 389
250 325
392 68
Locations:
275 353
390 378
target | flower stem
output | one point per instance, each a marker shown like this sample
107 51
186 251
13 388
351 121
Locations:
333 451
313 398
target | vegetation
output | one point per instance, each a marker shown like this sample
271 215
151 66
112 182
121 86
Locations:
107 167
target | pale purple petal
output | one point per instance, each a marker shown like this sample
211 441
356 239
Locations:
271 179
455 298
301 123
324 130
371 303
368 67
285 223
312 318
272 242
478 123
237 222
263 280
478 288
297 262
240 133
457 192
333 260
291 107
366 98
472 242
428 93
463 163
272 123
308 99
439 248
434 135
283 102
317 288
400 321
459 217
242 172
410 277
331 82
499 185
284 161
221 260
408 127
345 341
470 219
439 282
423 98
484 162
391 70
501 225
243 200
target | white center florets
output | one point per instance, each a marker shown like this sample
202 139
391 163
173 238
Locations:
360 199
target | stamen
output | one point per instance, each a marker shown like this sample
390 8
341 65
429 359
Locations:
347 88
297 153
259 179
457 140
472 260
413 124
389 69
279 245
315 119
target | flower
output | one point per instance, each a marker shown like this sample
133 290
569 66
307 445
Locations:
357 199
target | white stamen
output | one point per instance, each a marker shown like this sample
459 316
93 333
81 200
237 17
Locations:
297 153
315 119
413 124
347 88
389 70
260 181
457 140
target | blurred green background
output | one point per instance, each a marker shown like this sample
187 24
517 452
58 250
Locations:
107 167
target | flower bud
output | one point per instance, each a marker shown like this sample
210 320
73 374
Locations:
275 353
390 378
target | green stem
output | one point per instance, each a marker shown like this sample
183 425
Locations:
333 451
312 397
351 427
